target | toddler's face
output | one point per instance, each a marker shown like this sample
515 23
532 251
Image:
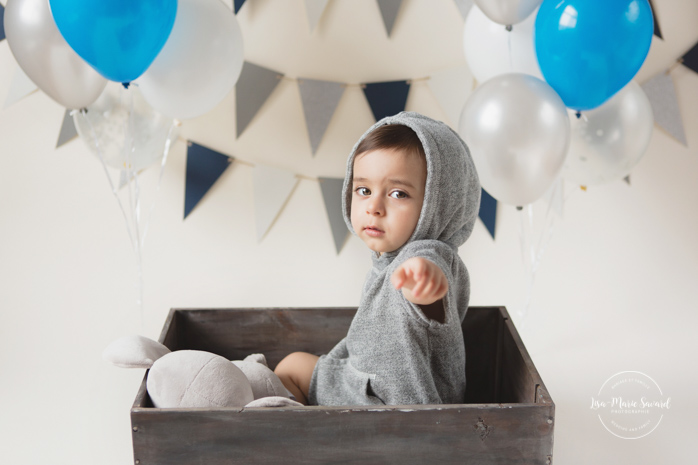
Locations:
388 192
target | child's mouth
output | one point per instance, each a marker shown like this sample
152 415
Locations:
372 231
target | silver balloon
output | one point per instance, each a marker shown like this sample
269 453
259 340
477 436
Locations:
123 129
608 141
508 12
518 132
46 57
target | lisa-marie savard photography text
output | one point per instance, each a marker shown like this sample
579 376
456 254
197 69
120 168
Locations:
620 405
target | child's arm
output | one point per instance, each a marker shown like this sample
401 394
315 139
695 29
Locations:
422 282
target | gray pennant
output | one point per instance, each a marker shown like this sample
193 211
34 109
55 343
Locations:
320 99
332 195
389 9
464 7
253 88
661 93
627 179
68 131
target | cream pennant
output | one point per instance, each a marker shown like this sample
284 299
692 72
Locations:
661 93
314 9
68 130
21 87
272 188
320 100
451 88
464 7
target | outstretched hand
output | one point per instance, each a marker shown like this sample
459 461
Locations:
421 281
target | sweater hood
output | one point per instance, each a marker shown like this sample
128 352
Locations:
452 191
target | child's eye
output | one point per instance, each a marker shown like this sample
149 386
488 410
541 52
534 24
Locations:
399 195
363 191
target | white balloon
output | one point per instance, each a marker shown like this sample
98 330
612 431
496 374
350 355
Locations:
518 132
608 141
491 50
508 12
123 129
200 62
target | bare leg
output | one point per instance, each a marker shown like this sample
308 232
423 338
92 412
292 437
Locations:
295 371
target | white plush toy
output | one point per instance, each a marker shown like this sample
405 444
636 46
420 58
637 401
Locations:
197 379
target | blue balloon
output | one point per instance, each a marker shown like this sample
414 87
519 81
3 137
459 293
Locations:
590 49
118 38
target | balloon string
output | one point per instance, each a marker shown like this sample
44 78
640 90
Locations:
166 151
511 59
532 253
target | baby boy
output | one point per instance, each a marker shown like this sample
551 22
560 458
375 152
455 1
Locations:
412 194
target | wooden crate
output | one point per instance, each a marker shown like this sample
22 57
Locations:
508 417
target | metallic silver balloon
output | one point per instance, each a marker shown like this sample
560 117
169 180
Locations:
508 12
518 132
46 57
608 141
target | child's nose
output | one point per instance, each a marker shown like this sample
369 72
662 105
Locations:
375 207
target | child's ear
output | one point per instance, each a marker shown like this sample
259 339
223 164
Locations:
134 352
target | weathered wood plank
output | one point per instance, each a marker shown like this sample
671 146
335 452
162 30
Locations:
479 434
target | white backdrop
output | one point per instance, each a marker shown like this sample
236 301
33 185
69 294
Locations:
614 291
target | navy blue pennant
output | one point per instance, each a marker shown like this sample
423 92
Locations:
386 98
204 167
238 5
690 59
488 211
657 31
2 22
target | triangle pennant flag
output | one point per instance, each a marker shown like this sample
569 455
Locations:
386 98
314 9
238 4
627 179
204 167
488 211
464 7
253 88
21 87
320 100
690 59
389 9
657 31
2 22
272 188
332 195
68 131
661 93
451 89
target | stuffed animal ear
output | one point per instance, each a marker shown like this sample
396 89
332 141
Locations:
134 352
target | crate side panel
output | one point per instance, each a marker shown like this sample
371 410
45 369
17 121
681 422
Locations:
237 333
483 436
517 384
480 334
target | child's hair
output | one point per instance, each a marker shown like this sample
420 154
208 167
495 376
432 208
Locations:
392 137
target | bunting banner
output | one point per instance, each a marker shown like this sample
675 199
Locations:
21 87
657 31
661 93
386 98
204 167
237 5
320 100
253 88
68 130
389 10
690 59
464 7
332 195
314 9
488 211
452 87
272 189
2 22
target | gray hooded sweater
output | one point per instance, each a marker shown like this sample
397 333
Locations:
393 354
